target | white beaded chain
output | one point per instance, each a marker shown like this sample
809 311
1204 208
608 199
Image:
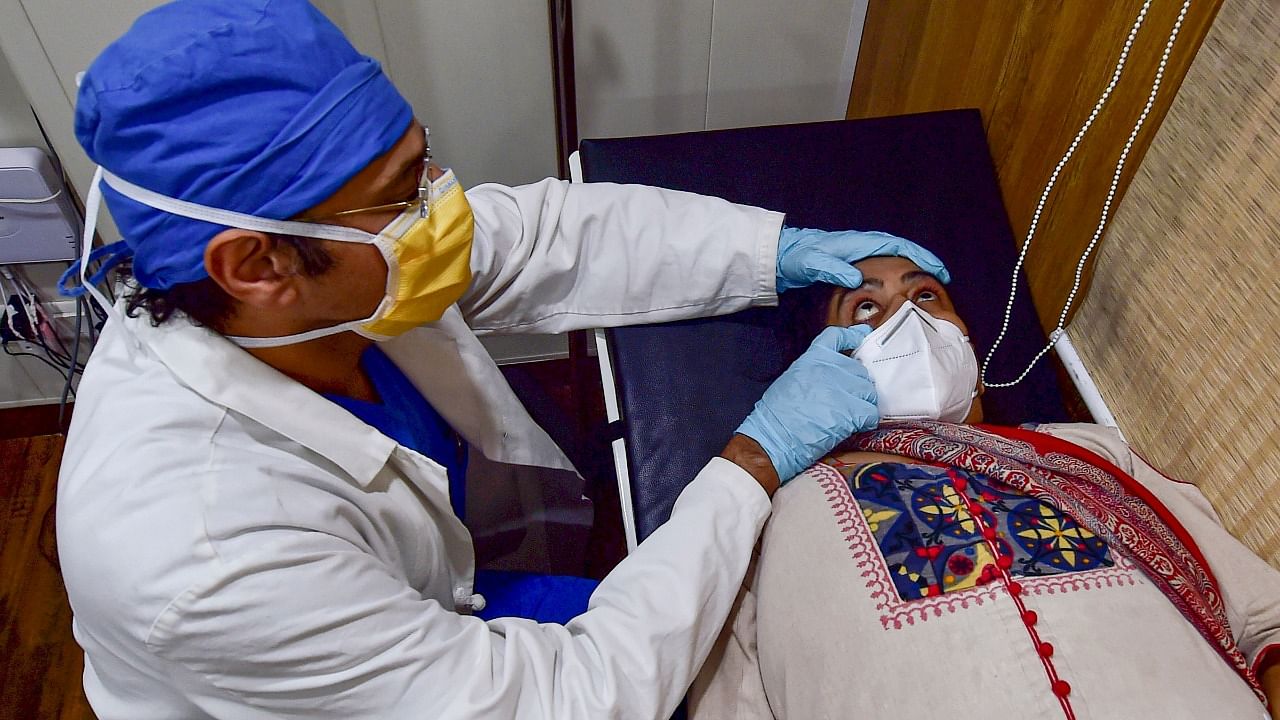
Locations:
1106 208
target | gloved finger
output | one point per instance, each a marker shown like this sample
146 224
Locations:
925 259
841 339
849 378
864 401
833 270
858 248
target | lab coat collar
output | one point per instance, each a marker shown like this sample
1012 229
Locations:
226 375
444 361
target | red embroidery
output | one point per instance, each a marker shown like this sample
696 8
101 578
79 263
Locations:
897 613
1095 494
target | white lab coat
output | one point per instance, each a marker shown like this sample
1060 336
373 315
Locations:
236 546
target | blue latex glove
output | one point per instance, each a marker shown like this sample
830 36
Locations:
806 257
822 399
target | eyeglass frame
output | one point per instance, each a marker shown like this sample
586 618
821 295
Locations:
422 201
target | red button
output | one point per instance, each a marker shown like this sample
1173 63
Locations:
1005 562
1046 650
1062 688
1015 589
1031 618
989 533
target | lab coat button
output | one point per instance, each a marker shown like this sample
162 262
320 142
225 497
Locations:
466 601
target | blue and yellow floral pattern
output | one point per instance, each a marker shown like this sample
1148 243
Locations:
925 521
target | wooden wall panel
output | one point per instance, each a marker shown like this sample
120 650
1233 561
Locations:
1180 329
1035 69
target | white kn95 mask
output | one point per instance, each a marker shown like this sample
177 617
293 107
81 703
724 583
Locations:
923 367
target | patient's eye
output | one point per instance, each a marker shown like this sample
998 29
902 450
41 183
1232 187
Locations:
864 311
926 296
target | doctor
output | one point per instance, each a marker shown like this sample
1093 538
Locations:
254 515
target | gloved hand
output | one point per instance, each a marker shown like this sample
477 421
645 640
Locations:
823 398
806 257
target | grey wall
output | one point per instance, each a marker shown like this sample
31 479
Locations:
660 66
478 72
17 124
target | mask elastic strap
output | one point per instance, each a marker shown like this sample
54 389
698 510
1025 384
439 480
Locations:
266 342
230 218
244 221
350 325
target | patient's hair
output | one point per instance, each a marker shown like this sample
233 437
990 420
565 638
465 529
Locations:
807 309
204 302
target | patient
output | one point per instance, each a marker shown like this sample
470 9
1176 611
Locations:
945 570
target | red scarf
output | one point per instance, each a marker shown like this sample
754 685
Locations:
1094 493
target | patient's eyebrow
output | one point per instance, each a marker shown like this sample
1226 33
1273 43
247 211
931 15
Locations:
916 276
908 278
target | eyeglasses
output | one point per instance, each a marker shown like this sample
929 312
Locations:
422 202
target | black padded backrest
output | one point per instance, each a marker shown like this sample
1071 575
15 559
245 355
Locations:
686 386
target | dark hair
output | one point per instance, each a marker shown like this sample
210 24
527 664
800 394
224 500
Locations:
204 302
806 310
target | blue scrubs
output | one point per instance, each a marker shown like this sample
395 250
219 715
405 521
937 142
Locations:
406 417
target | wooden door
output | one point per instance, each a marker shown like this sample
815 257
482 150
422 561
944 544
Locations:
1035 68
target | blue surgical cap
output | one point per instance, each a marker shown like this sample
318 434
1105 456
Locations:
257 106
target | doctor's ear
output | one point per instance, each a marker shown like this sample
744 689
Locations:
257 269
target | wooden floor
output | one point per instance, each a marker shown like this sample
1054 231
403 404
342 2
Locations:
40 665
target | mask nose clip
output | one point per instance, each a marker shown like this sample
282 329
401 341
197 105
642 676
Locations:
922 366
899 318
424 185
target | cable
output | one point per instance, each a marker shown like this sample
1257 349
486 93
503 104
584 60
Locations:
25 301
30 201
23 353
39 327
62 358
1111 193
42 323
91 330
11 310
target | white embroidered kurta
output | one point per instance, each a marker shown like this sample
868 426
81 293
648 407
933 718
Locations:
821 631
